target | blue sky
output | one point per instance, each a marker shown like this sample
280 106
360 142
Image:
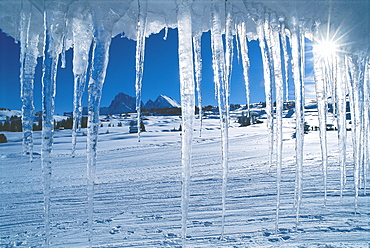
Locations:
161 74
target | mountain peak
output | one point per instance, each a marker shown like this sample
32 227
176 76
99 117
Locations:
162 101
122 103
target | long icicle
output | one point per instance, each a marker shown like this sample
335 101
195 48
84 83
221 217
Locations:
363 63
229 53
349 79
100 56
28 59
275 49
82 38
267 83
322 106
299 110
342 128
286 56
52 48
140 52
185 51
268 39
220 79
366 122
198 76
242 34
321 82
356 123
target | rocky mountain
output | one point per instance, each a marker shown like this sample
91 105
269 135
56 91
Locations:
123 103
162 101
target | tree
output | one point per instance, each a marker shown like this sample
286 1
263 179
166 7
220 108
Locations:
3 138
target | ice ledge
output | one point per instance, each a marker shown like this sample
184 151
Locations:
348 20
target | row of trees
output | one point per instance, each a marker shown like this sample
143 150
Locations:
14 124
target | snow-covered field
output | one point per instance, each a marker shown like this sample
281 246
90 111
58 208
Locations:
138 191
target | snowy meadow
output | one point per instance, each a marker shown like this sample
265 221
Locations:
137 201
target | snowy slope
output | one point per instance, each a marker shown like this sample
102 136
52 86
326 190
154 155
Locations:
6 114
138 191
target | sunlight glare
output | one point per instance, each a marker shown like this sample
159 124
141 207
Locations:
326 48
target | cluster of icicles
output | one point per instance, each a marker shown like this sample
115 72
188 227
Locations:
338 76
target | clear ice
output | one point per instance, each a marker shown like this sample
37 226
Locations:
140 52
28 61
221 71
185 50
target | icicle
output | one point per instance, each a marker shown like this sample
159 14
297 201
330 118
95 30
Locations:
366 122
268 87
198 76
54 28
63 55
237 38
351 102
28 59
242 34
355 92
99 63
82 38
185 51
276 59
296 47
341 113
100 57
286 57
361 79
322 107
322 79
140 52
229 51
165 33
221 84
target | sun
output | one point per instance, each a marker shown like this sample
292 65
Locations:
326 49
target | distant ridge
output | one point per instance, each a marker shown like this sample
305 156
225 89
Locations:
123 103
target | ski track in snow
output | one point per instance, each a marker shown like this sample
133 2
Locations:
137 200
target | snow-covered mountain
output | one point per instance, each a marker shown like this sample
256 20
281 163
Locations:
124 103
162 101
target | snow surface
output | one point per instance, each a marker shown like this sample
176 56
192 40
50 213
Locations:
6 114
138 190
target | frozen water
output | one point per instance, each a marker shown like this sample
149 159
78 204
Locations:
322 106
242 35
140 52
221 71
197 39
185 51
297 46
28 59
279 88
82 38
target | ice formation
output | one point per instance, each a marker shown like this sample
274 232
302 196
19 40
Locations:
49 28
